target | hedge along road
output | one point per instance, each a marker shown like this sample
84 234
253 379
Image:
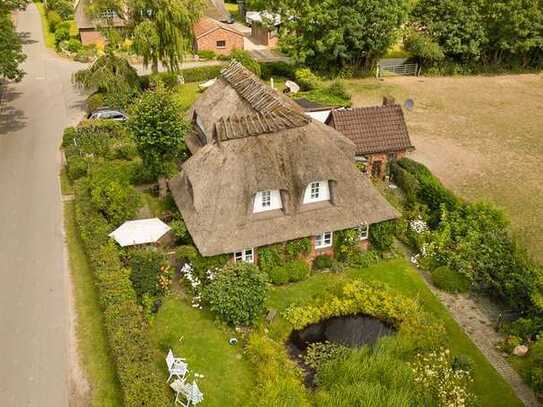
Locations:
34 306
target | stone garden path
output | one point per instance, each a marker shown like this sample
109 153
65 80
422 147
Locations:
479 326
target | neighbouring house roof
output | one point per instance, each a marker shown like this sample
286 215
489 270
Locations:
257 140
374 129
217 10
319 115
143 231
208 25
84 21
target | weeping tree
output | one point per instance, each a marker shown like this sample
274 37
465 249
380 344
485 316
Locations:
163 30
112 76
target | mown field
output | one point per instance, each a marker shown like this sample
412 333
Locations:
481 135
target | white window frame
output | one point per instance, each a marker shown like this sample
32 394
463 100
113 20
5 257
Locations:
245 255
317 191
324 240
363 231
267 201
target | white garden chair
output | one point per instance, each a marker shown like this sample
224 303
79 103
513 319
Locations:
192 394
176 367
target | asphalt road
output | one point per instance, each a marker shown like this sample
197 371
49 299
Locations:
34 323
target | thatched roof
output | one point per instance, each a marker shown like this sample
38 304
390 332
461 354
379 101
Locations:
373 129
265 145
84 21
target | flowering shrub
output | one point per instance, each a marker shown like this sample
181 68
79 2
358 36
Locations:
433 372
195 282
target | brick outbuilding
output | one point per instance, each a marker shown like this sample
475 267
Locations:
212 35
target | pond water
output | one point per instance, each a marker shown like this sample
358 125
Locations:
351 331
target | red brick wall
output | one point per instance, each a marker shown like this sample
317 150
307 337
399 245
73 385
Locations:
209 42
90 36
262 35
383 157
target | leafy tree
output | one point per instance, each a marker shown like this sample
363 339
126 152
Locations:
10 44
112 76
423 47
159 128
65 8
247 61
334 34
146 266
237 293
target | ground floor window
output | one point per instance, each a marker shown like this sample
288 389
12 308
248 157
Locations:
246 255
221 44
364 231
323 240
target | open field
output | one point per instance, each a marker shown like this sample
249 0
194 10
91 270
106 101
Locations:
481 135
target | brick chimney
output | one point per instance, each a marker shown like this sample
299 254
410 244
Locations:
388 100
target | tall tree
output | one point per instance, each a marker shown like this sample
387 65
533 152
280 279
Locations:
333 34
11 52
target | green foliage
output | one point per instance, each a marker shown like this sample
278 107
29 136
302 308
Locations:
207 54
76 167
10 48
64 8
159 128
94 102
323 262
125 326
382 235
422 47
334 94
298 248
306 79
53 18
199 263
365 258
451 281
318 353
246 60
509 343
86 53
111 193
72 45
293 271
346 244
326 35
61 34
526 328
147 266
201 74
169 80
277 70
278 379
179 230
237 293
532 370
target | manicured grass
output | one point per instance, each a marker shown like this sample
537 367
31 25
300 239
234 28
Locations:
195 336
186 94
490 388
91 336
48 36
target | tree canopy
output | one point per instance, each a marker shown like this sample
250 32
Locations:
11 50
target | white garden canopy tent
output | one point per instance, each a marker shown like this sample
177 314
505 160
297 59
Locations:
142 231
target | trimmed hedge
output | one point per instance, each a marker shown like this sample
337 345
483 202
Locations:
293 271
277 70
200 74
323 262
125 325
451 281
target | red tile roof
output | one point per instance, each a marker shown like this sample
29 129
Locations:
207 25
374 129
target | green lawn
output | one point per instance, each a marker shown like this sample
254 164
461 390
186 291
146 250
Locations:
195 336
187 94
48 36
91 335
490 388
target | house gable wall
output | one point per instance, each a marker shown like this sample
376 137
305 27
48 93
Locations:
208 42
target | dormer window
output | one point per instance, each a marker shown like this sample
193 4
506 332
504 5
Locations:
267 201
317 191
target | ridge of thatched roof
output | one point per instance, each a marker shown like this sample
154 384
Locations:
229 128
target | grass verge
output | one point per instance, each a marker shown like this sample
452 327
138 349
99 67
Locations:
203 342
48 36
489 387
91 336
65 184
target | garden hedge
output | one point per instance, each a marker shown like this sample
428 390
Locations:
201 74
125 325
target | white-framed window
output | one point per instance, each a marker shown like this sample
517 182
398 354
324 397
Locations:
267 201
246 255
364 231
221 44
317 191
108 14
323 240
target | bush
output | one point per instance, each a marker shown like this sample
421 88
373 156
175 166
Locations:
338 89
526 328
322 262
462 362
293 271
451 281
406 181
237 293
54 19
86 53
64 8
306 79
168 79
72 45
61 34
245 59
76 167
423 48
346 244
68 136
95 102
206 54
382 235
201 74
365 258
279 275
147 266
277 70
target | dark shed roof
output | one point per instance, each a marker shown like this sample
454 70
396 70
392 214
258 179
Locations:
374 129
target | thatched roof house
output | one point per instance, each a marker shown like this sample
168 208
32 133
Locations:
263 172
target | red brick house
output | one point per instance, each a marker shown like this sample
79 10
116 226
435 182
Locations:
212 35
262 172
378 132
